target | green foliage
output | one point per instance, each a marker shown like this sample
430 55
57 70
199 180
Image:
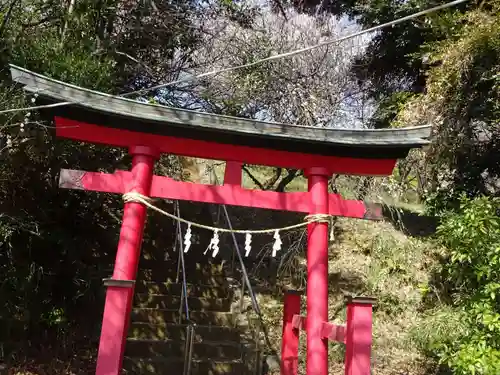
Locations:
441 69
35 39
55 244
462 103
394 273
471 273
444 324
388 108
241 12
473 237
74 62
463 97
43 282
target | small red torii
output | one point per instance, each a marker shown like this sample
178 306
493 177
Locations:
150 130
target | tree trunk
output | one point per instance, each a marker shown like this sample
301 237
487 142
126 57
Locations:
6 17
71 7
292 173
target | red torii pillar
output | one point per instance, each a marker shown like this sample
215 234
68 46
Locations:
120 288
290 336
317 274
141 179
358 336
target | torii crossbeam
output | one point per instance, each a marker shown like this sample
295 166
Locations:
150 130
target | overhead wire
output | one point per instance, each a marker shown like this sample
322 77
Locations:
301 50
257 62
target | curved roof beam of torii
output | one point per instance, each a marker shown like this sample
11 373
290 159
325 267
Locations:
308 146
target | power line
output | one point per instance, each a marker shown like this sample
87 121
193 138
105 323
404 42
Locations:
302 50
267 59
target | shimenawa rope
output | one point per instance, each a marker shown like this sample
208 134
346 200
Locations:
140 198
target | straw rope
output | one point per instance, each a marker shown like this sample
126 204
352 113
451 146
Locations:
134 197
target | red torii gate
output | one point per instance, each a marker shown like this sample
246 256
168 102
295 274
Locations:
149 130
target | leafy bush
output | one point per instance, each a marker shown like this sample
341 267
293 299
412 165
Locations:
472 272
443 324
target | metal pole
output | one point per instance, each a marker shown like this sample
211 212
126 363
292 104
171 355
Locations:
317 274
191 344
255 305
178 259
242 294
187 348
258 359
181 305
184 296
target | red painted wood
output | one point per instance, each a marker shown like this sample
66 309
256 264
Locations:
118 302
299 322
167 188
334 332
317 275
358 339
330 331
232 174
114 329
209 150
290 339
95 181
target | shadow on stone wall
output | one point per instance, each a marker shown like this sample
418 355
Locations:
409 222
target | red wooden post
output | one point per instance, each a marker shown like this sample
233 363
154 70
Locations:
120 288
232 174
290 340
231 193
317 275
359 336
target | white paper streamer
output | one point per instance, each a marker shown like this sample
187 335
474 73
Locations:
277 243
248 244
187 239
214 244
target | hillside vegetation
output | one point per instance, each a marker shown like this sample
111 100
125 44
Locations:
374 259
423 321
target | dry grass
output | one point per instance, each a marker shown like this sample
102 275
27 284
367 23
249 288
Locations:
372 259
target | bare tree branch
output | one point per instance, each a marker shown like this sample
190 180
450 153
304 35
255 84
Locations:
253 178
292 173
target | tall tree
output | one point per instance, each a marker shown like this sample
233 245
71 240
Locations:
438 69
54 243
310 89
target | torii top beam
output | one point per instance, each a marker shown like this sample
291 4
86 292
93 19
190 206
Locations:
101 118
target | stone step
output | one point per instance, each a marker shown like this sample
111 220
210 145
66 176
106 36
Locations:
177 332
175 349
206 291
158 366
169 267
206 267
164 316
163 301
167 275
